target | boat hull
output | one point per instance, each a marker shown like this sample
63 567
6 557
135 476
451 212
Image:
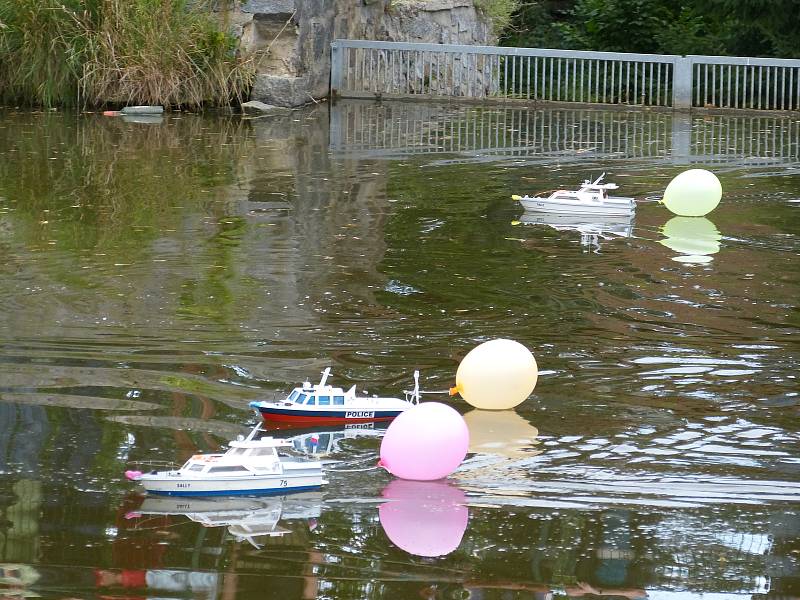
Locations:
286 415
250 486
613 207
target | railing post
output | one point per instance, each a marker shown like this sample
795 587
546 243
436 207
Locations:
682 84
337 68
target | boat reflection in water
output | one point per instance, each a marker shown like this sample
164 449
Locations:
247 518
323 441
695 239
592 228
425 518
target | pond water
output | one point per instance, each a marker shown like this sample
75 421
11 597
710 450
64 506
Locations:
158 274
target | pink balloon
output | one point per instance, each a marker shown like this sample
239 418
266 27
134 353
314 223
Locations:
426 518
427 441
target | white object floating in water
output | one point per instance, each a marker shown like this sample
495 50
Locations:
250 466
590 199
142 110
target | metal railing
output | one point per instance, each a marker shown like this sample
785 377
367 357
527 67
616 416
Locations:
369 69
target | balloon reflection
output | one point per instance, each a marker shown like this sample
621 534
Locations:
247 518
425 518
695 239
502 433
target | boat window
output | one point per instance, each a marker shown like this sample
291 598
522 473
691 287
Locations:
324 400
293 395
236 451
338 400
231 469
262 452
300 399
311 400
197 467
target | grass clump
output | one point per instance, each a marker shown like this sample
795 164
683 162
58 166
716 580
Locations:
96 52
499 11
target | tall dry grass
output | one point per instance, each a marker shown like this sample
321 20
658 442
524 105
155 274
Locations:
97 52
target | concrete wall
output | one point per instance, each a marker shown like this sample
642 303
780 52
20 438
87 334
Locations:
292 37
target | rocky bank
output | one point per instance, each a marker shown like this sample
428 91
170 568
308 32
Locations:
293 37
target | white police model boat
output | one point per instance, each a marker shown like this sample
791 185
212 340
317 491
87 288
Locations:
322 403
590 199
252 465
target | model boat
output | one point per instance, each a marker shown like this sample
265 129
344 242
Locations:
590 199
322 403
252 465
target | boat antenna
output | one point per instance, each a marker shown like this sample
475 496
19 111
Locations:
325 374
599 179
415 393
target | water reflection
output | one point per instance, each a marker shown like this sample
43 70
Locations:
501 433
591 229
322 441
426 518
157 278
564 135
246 519
695 239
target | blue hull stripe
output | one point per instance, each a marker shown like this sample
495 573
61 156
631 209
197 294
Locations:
255 492
331 414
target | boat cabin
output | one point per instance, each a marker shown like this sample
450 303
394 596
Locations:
244 457
313 397
590 191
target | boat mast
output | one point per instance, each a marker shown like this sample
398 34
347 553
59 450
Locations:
325 374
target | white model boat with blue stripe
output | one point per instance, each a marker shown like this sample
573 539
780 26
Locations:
252 465
322 404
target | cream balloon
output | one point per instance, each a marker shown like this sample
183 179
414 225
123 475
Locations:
693 193
694 238
500 433
496 375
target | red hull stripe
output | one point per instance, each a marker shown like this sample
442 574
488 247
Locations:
333 417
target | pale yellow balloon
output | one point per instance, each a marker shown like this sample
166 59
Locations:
693 193
500 432
694 238
497 375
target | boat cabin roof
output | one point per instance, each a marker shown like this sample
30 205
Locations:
326 396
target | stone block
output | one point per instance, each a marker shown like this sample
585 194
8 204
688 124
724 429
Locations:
281 90
268 7
256 107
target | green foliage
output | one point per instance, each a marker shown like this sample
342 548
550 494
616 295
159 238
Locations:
756 27
651 26
727 27
92 52
535 24
499 11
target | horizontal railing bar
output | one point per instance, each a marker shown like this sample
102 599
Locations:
618 56
503 51
743 60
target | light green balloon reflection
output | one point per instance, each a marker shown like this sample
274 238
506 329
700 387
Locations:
695 239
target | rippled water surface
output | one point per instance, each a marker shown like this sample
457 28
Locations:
159 275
